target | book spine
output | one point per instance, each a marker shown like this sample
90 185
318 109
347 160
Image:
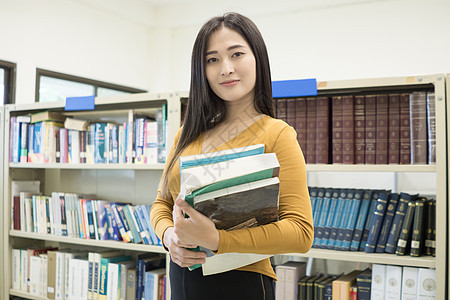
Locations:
83 147
397 223
377 222
405 232
290 113
318 211
125 223
132 223
394 129
16 142
348 129
417 229
336 129
119 222
362 216
281 109
371 128
382 109
370 214
418 128
360 123
431 126
405 130
322 129
300 124
351 223
387 222
330 217
348 199
23 142
30 142
311 117
336 221
152 142
114 150
99 143
323 218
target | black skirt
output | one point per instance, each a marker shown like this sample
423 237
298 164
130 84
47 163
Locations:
192 285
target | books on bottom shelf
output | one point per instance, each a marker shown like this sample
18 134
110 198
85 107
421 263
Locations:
67 274
214 184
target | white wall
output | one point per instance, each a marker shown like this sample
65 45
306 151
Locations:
360 40
73 38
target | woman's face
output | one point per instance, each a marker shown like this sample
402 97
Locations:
230 66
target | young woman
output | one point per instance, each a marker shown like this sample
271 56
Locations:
230 106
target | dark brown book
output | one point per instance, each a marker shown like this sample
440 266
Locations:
322 129
16 212
431 125
381 142
300 123
336 129
360 125
417 229
371 128
348 129
311 118
405 130
282 109
418 108
58 145
83 147
394 129
291 111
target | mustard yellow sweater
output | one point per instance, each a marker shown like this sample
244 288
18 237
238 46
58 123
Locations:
294 231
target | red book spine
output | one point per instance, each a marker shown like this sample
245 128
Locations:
336 115
16 212
300 123
405 140
322 129
348 130
431 119
371 128
418 115
282 109
394 129
359 130
381 148
311 118
291 111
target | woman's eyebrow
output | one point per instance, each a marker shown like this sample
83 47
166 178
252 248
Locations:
229 48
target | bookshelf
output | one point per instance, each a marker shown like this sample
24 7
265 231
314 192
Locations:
436 83
133 183
2 229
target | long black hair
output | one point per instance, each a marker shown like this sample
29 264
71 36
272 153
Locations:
205 109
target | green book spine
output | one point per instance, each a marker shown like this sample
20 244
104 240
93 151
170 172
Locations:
417 230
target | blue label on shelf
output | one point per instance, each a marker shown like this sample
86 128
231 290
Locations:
294 88
80 103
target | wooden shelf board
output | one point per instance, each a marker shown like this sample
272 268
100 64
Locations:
94 243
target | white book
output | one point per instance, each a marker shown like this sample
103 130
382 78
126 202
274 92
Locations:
43 275
378 288
393 282
78 279
113 284
29 214
97 263
91 263
409 283
151 148
60 276
279 285
35 275
426 284
24 270
69 221
15 276
124 267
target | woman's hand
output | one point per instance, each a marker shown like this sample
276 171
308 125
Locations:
178 252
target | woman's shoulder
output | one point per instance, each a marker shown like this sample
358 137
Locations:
273 124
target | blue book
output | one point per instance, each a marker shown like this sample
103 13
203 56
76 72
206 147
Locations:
337 219
372 207
113 229
142 224
146 262
118 218
329 220
387 222
103 286
320 228
317 209
351 222
348 198
90 216
129 216
125 223
313 198
37 143
377 222
397 223
146 214
362 216
100 157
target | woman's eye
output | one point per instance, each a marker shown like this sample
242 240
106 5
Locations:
211 60
237 54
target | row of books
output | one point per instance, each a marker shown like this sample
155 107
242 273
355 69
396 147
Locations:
373 221
50 137
84 275
364 129
379 283
73 215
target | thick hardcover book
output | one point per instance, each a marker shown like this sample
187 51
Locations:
361 220
348 129
364 282
319 286
318 211
344 218
417 236
342 285
351 223
83 147
377 222
290 114
320 228
431 127
393 282
313 198
311 131
300 123
394 129
330 218
430 242
336 129
301 287
368 223
404 240
360 127
418 114
397 222
281 109
328 289
409 283
310 285
322 130
371 128
331 242
405 130
382 130
387 222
